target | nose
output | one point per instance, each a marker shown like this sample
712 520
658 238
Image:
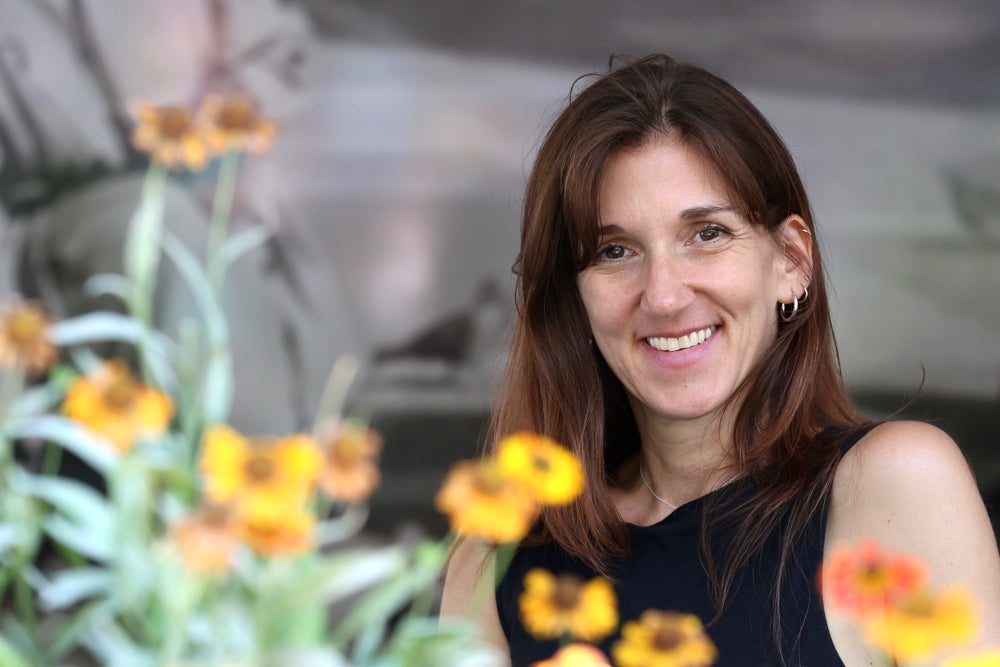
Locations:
666 290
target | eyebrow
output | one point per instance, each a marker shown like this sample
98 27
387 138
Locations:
705 211
687 214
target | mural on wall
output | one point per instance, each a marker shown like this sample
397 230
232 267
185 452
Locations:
394 187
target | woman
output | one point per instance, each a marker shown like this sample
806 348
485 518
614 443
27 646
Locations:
674 330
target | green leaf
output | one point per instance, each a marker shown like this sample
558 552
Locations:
112 646
68 587
33 401
243 242
379 604
9 657
108 326
342 574
142 244
97 453
108 283
218 388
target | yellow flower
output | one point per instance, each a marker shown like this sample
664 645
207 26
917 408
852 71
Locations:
923 624
206 540
548 470
553 606
288 534
24 337
575 655
986 658
170 135
481 502
261 477
114 404
664 639
235 123
350 473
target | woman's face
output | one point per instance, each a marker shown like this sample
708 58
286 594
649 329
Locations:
682 293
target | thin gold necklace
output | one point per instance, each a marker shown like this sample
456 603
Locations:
645 482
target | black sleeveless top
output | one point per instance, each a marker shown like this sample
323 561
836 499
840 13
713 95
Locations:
665 572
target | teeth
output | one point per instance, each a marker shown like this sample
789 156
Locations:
688 340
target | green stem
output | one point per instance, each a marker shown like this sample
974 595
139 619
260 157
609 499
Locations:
11 385
142 256
25 600
52 459
218 230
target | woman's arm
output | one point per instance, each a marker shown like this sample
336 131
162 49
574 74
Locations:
469 591
908 486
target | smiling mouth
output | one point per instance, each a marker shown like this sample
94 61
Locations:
684 342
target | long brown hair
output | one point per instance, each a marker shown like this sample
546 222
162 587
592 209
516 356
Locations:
558 384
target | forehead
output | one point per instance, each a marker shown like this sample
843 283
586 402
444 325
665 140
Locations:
662 172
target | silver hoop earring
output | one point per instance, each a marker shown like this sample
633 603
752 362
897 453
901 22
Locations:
805 293
787 311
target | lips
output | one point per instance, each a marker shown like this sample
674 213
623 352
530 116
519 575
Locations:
670 344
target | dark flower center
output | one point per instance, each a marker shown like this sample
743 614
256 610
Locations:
119 395
174 123
667 638
567 594
541 463
236 116
260 468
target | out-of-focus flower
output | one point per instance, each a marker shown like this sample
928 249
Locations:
481 502
986 658
553 606
576 655
548 470
170 135
350 473
235 123
24 338
664 639
113 403
920 626
206 540
263 478
863 579
288 534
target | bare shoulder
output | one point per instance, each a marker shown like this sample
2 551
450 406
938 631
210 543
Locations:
904 477
908 486
906 455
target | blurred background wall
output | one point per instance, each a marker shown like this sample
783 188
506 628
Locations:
407 129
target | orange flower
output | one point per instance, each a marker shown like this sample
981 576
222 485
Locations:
24 337
863 580
170 135
550 472
481 502
114 404
288 534
351 470
262 477
575 655
921 625
234 123
207 540
554 606
664 639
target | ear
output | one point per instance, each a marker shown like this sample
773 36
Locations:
794 262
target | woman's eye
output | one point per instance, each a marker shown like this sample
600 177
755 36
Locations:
612 252
710 233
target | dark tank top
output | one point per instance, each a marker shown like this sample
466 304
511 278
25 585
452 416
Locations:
665 572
